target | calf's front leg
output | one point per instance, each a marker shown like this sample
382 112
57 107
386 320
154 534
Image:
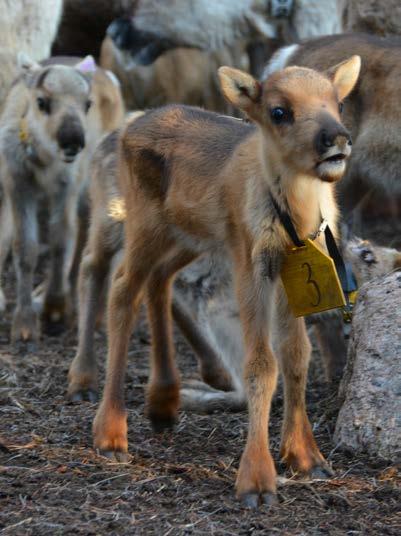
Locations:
57 307
25 323
6 236
256 480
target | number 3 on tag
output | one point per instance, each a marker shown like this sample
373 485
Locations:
310 280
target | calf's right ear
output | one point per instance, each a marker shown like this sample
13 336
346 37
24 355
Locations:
345 75
240 89
28 68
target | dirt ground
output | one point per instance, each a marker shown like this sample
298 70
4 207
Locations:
52 482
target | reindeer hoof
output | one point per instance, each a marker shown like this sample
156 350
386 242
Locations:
84 395
162 406
56 314
251 501
115 455
321 472
25 326
162 424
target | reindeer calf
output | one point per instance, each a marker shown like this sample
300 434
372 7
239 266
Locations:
193 182
45 125
104 245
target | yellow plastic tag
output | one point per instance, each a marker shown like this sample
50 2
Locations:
310 280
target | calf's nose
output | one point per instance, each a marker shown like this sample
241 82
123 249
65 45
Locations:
329 137
71 136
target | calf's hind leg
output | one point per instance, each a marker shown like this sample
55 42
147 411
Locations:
163 395
140 256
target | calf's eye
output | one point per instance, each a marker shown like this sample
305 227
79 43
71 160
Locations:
340 107
88 104
44 105
280 115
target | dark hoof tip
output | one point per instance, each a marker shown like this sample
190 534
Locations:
269 499
26 347
250 501
321 472
54 329
114 455
85 395
164 424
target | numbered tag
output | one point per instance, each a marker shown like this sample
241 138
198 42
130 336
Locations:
310 280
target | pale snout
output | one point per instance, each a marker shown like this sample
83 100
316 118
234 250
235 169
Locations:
333 146
70 138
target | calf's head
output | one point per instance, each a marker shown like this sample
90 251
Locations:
59 100
299 113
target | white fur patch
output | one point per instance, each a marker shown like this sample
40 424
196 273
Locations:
279 60
113 78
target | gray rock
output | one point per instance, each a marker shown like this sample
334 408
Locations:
370 417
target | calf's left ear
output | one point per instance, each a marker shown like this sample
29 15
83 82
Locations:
240 89
345 75
28 68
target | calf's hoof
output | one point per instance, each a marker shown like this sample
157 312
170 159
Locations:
56 314
110 432
256 480
82 383
82 395
162 406
300 453
25 326
252 500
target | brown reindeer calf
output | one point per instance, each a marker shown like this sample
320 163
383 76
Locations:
194 181
104 245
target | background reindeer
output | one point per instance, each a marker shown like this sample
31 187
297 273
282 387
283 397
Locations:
45 125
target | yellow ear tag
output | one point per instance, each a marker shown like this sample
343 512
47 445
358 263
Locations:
310 280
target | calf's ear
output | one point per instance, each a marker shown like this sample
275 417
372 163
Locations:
345 75
28 68
240 89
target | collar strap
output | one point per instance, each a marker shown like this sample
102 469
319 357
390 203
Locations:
286 222
343 269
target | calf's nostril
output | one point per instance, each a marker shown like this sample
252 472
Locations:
71 150
326 141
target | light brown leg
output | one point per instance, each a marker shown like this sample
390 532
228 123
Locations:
82 375
298 446
256 480
110 424
164 387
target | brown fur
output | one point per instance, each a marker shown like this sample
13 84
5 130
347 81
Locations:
220 175
105 242
181 75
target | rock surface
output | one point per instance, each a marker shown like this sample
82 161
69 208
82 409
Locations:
370 417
